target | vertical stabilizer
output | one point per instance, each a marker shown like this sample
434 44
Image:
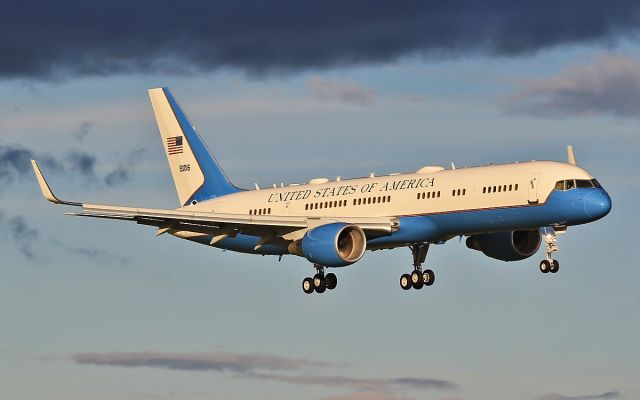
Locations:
196 173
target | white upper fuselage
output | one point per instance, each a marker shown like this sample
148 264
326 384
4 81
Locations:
461 189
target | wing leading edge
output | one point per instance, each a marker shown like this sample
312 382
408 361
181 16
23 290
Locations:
216 224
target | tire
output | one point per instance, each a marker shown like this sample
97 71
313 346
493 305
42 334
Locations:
320 283
332 281
416 280
545 266
428 277
555 266
307 285
405 282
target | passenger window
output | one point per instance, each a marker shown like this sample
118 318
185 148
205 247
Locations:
464 192
510 187
269 210
499 187
504 188
494 189
388 198
516 187
438 193
453 192
484 189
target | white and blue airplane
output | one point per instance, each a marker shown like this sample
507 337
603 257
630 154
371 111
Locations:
505 211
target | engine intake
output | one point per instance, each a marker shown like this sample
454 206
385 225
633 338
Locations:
507 246
332 245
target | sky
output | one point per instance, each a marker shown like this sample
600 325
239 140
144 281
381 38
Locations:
287 91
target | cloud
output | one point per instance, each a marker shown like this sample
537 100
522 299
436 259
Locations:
67 38
219 362
83 130
121 173
82 163
270 368
367 396
603 396
611 85
21 234
15 161
361 384
346 92
93 253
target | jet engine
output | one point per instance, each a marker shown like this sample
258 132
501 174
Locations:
332 245
507 246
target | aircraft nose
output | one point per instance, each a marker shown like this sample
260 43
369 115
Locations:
597 204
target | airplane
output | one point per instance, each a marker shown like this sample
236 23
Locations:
505 211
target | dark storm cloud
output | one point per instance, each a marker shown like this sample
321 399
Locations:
45 39
610 85
603 396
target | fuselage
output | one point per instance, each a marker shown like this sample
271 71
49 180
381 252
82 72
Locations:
432 205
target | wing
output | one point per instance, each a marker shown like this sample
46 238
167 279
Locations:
218 225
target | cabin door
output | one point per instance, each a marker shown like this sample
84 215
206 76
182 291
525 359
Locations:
533 188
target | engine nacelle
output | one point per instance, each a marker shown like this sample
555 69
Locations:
332 245
507 246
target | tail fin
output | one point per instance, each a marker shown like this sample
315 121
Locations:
196 173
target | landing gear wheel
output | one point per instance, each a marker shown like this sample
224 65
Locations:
320 283
307 285
545 266
405 281
555 266
417 280
428 277
332 281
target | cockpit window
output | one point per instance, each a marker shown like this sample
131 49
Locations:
583 183
577 183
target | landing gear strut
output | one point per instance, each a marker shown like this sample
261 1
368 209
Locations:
550 238
418 278
320 282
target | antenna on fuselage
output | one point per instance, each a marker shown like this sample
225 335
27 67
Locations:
571 158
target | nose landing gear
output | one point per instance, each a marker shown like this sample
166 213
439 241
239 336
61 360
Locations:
551 240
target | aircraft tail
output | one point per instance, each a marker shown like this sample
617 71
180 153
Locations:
196 173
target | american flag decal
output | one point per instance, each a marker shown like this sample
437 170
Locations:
174 145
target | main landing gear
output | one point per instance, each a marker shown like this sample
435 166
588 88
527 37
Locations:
551 240
418 278
320 282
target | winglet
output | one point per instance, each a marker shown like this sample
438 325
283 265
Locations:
46 190
571 158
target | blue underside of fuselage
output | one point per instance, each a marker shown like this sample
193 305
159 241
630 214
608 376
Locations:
571 207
